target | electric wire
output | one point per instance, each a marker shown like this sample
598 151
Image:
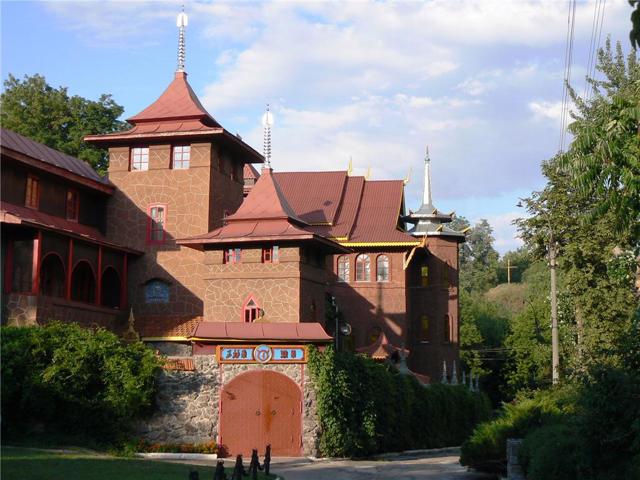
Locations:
592 42
595 55
567 71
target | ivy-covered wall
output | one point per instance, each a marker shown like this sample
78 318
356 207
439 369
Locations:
366 407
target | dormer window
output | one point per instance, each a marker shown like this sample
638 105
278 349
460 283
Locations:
73 203
181 157
32 196
140 158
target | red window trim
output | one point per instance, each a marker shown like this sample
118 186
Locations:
364 279
131 169
269 255
150 240
77 205
173 156
34 179
245 308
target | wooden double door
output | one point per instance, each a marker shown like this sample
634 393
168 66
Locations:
260 408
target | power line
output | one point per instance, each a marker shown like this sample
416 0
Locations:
592 42
593 69
568 61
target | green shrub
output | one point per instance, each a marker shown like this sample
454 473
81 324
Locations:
486 448
551 453
68 378
366 407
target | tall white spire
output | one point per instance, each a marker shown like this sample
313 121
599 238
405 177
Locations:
181 22
267 122
426 196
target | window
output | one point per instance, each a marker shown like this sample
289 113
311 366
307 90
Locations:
447 328
111 287
424 276
21 253
251 311
363 268
232 255
344 268
181 157
270 255
382 268
157 219
52 276
424 328
83 283
32 196
73 202
156 291
140 158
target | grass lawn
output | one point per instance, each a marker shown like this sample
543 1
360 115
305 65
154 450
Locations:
25 464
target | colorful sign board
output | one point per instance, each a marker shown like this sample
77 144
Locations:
262 354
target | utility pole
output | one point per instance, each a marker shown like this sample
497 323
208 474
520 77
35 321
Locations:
555 357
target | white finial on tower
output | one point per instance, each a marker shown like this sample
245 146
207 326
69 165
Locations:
426 198
267 122
181 22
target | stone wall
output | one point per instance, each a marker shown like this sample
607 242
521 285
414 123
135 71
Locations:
188 402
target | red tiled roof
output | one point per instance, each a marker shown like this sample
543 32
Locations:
316 195
380 208
265 215
250 171
286 332
35 150
178 101
355 210
163 326
176 114
15 214
381 349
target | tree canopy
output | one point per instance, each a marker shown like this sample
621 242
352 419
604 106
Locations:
51 116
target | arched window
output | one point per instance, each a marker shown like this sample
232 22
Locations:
110 288
156 291
382 268
363 268
83 283
251 310
52 276
446 324
344 270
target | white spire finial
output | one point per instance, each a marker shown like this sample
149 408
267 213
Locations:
426 197
181 22
267 122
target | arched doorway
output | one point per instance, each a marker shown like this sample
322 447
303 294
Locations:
260 408
83 283
110 288
52 276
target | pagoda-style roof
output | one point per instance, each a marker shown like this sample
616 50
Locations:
177 102
260 332
381 349
176 115
265 215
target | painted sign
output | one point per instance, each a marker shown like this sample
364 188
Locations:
262 354
180 364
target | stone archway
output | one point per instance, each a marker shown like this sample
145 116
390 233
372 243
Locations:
258 408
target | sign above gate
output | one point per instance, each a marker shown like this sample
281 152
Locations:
262 354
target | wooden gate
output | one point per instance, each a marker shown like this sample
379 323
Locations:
261 407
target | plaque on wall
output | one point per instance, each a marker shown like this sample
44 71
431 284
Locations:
262 354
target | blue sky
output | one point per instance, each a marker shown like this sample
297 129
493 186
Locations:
479 82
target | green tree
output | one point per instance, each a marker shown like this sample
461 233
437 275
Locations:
634 34
604 157
49 115
479 263
519 260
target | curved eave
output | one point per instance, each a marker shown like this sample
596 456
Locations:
202 243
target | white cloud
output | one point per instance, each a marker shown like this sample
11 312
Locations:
504 232
543 110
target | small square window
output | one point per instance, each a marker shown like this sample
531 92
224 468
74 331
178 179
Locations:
140 158
32 196
181 157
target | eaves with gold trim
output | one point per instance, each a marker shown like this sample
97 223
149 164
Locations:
217 340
